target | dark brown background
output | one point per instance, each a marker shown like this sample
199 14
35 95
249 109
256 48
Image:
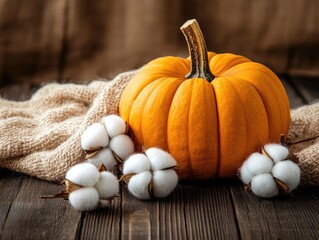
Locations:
77 40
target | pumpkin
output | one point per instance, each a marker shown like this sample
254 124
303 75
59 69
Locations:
209 111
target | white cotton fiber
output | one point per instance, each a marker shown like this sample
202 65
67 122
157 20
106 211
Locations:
83 174
288 172
138 185
258 163
245 175
122 146
114 125
160 159
264 185
107 186
136 163
105 157
84 199
94 137
164 182
277 152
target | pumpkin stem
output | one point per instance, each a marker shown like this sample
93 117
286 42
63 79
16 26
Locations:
197 51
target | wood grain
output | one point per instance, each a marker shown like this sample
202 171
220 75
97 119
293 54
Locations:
294 216
295 99
31 217
308 87
193 211
16 92
209 211
102 223
139 218
10 185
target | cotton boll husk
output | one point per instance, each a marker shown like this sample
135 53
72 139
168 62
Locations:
105 157
160 159
84 199
83 174
136 163
264 185
245 175
138 185
94 137
103 203
288 172
277 152
164 182
122 146
258 163
107 186
114 125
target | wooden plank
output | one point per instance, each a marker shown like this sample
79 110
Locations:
295 99
102 223
288 217
139 218
158 219
308 87
209 211
31 217
193 211
16 92
10 185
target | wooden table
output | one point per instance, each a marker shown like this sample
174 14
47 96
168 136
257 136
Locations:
219 209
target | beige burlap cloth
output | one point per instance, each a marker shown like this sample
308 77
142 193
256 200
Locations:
41 137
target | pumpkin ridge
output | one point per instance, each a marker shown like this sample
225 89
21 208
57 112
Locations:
139 138
281 88
245 116
188 120
202 130
268 113
217 63
254 66
228 160
252 143
279 98
218 132
168 84
159 63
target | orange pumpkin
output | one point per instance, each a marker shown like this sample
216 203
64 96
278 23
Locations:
210 111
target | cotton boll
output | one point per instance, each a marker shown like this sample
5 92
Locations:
83 174
138 185
122 146
258 163
164 182
245 175
160 159
84 199
105 157
136 163
107 186
264 185
94 137
288 172
277 152
114 125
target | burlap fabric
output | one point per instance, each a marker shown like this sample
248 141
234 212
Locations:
41 137
305 124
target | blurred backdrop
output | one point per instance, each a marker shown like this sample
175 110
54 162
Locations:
77 40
